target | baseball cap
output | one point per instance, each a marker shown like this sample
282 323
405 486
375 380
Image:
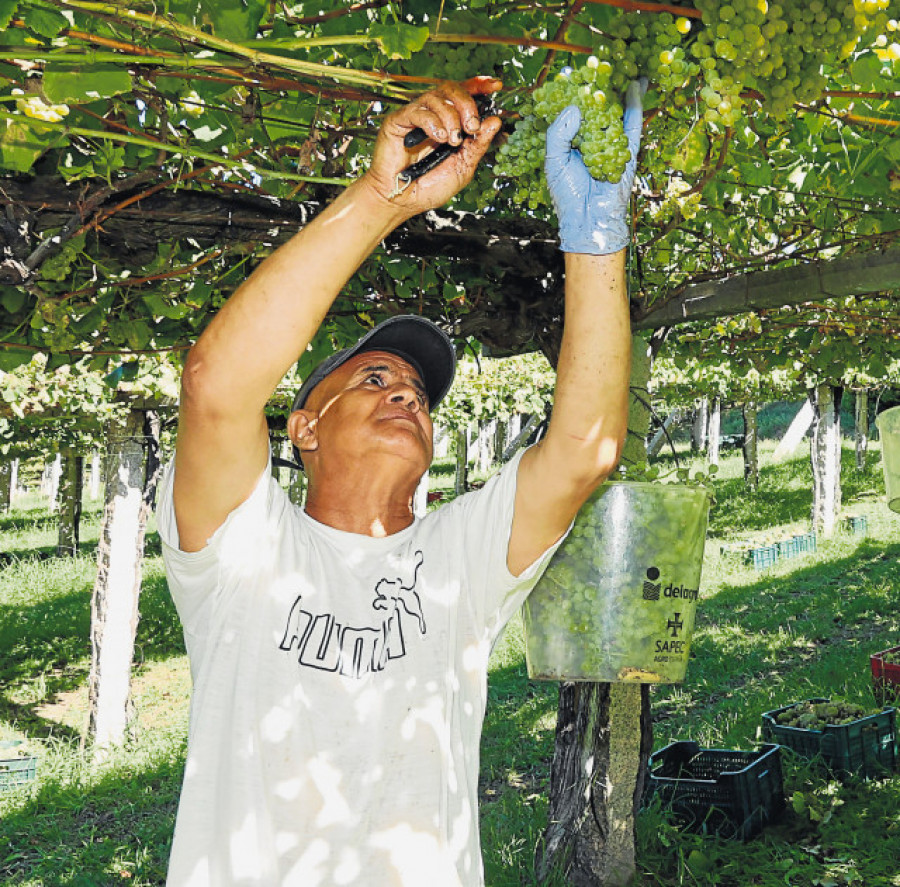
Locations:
421 343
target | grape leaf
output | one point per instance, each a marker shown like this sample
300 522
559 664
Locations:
232 19
20 146
7 11
866 71
43 21
10 358
83 84
399 41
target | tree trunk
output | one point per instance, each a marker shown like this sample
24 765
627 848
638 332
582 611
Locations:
715 427
69 510
861 427
462 461
131 472
603 740
825 456
14 481
701 425
441 442
297 487
751 448
6 472
54 471
661 436
95 476
522 435
796 432
484 446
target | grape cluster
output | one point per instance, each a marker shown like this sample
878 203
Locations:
600 139
460 61
617 602
771 51
817 715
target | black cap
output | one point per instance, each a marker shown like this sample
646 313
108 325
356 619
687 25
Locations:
421 343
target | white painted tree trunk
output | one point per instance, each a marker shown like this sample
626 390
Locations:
5 485
53 481
825 456
796 432
861 426
441 442
513 430
701 425
715 428
485 446
131 472
14 481
96 474
69 510
751 445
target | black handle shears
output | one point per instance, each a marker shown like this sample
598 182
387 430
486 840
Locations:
485 105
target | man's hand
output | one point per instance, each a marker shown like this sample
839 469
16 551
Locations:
447 115
592 215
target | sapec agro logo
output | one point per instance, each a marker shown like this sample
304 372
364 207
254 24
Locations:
654 589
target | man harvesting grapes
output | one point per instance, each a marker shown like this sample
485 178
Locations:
339 652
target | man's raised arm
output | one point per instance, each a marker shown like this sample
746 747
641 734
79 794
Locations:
266 325
590 408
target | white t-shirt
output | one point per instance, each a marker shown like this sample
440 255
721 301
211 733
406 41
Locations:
340 684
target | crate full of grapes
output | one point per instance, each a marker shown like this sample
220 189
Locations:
617 602
846 737
728 793
886 674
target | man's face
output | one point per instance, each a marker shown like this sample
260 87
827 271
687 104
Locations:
373 403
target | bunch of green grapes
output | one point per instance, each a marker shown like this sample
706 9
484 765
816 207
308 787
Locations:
740 49
817 715
460 61
600 139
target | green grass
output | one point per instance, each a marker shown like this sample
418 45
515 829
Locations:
803 628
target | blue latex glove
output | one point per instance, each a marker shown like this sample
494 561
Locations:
593 216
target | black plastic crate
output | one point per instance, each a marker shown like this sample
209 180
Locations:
731 794
866 747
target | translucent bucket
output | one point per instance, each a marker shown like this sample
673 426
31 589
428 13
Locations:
888 424
617 602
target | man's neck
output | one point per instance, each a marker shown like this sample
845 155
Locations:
367 505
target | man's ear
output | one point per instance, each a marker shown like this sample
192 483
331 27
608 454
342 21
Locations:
301 428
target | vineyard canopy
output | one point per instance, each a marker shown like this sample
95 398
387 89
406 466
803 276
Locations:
150 155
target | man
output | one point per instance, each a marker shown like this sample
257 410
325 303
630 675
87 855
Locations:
339 653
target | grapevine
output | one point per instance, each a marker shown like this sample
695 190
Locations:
739 51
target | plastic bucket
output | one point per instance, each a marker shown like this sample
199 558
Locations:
888 424
617 602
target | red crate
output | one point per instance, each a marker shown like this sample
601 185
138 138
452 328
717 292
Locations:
886 676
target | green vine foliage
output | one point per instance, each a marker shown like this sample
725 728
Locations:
107 107
850 342
489 388
45 409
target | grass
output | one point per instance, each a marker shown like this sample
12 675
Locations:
803 628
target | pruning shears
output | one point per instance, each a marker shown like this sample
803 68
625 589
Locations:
486 108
